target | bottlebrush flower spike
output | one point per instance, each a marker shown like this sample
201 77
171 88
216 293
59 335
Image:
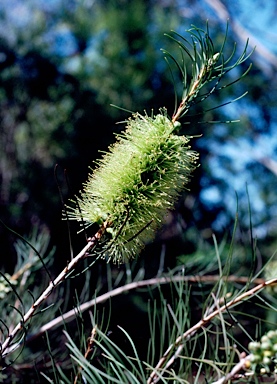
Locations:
141 176
136 182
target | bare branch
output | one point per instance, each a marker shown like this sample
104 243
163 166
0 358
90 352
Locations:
71 315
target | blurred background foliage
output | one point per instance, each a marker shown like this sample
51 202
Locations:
64 62
62 65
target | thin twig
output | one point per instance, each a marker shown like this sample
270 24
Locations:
6 347
235 370
71 315
194 90
164 363
88 351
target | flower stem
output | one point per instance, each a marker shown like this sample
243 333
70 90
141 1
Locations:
6 346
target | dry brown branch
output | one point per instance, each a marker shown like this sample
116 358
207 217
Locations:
71 315
88 351
269 163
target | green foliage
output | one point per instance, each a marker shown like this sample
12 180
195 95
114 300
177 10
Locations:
184 345
207 65
43 118
33 255
123 53
180 348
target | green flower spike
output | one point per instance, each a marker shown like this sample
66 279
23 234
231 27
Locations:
136 182
142 175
